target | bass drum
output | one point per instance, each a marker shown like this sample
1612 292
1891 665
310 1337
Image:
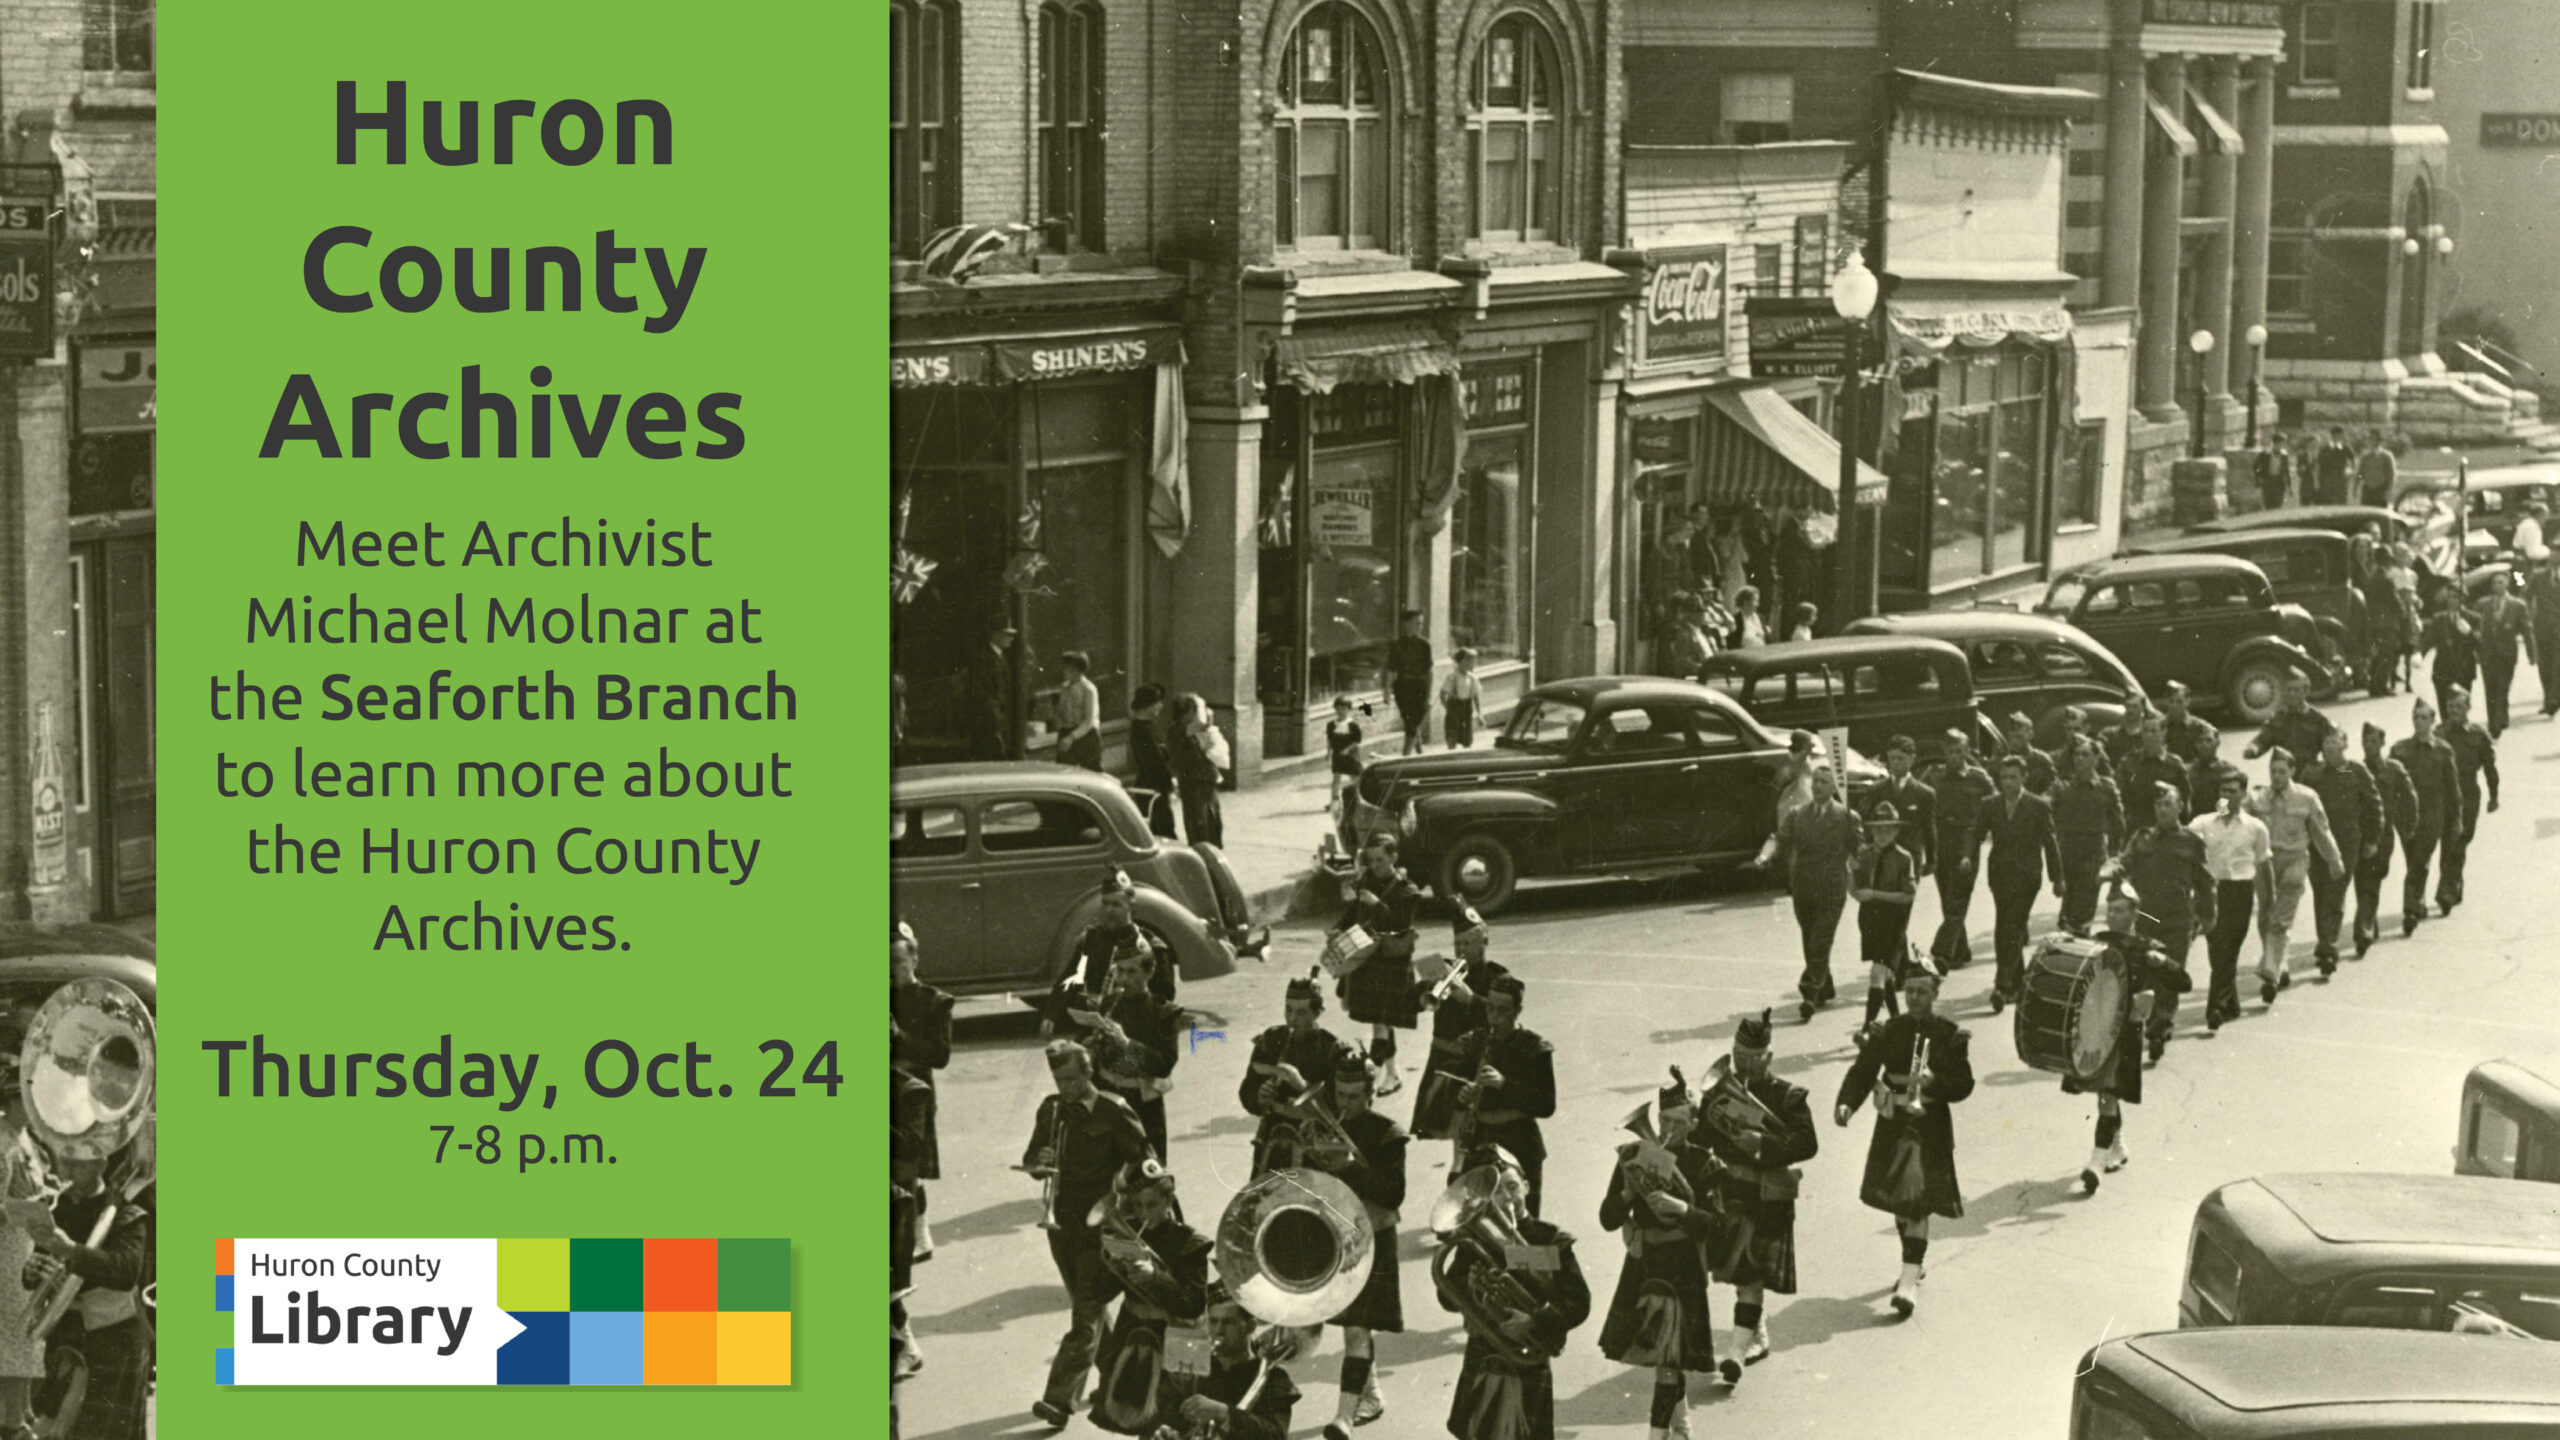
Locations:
2072 1010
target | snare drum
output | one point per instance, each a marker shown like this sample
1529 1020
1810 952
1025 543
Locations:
1347 950
2072 1010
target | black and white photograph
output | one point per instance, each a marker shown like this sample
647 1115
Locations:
1617 718
78 974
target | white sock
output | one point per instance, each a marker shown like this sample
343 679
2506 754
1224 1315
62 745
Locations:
2097 1159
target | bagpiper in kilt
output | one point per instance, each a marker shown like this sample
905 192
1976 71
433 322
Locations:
1162 1267
1911 1161
1375 1170
1515 1084
1456 1016
2151 976
1382 901
1114 929
1288 1059
1662 1202
1507 1384
1760 1144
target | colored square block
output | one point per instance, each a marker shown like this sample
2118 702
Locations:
225 1327
222 1367
539 1356
755 1275
222 1294
604 1275
682 1275
533 1274
755 1346
604 1347
683 1348
221 1257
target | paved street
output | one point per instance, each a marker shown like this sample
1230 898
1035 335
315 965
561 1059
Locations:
2362 1072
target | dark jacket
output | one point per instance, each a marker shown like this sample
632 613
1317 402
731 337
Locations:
1148 759
1315 1054
2354 802
2399 796
2433 775
2166 868
1959 797
2140 773
923 1045
2475 757
1093 1141
2023 847
1884 1058
2091 809
2301 732
1917 805
2457 646
1509 1116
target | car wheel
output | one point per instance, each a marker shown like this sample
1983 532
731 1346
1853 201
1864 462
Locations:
1479 871
2255 689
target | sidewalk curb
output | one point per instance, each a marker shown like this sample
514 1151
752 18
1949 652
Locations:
1295 898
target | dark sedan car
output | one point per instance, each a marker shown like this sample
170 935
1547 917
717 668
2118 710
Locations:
2310 568
1613 775
2029 665
2211 621
1873 686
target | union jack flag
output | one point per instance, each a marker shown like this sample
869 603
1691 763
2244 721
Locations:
955 252
908 572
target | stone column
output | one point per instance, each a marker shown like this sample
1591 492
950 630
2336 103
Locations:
2221 186
2127 125
2250 218
2163 196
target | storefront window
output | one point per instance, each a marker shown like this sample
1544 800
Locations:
1079 599
1991 461
1489 527
1963 485
1354 511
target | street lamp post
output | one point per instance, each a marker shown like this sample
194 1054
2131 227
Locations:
2257 338
2201 343
1853 297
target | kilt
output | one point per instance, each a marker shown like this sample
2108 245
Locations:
1664 1268
1381 991
1379 1307
1758 1246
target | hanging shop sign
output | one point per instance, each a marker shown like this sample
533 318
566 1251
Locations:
26 277
1796 335
1057 357
1682 314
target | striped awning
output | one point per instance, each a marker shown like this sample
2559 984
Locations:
1397 353
1760 450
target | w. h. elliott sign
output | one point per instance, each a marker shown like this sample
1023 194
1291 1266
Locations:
1683 310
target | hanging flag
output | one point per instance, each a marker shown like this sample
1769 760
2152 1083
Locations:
955 253
1026 526
1169 467
1022 572
908 572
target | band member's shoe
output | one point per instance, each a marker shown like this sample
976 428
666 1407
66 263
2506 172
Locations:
2159 1046
1906 1291
1999 1002
1804 1010
2328 965
1052 1415
2116 1158
1390 1080
1336 1432
2409 924
2364 942
1729 1360
1758 1350
1373 1406
2267 993
2089 1180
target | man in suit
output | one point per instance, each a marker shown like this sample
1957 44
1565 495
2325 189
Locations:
2024 851
1914 802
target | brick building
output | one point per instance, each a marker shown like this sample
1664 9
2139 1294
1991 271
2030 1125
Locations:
1311 332
77 413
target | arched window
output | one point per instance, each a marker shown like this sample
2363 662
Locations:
924 120
1329 147
1515 135
1071 78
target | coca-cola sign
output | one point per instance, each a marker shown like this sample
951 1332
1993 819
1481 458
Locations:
1683 310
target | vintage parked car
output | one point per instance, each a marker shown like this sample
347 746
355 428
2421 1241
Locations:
2345 519
2497 500
1874 686
1607 776
2209 620
999 866
2023 664
2401 1252
2510 1122
2314 569
2292 1382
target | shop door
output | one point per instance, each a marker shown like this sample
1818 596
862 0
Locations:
127 641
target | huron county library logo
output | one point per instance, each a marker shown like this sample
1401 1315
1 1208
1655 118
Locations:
503 1312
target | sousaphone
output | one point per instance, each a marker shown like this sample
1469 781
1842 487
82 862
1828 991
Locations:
87 1069
1293 1247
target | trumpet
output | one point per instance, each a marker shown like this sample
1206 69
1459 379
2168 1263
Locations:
1908 1099
1311 1131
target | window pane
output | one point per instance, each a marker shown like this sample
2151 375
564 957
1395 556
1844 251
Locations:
1320 166
1502 67
1319 68
929 65
1542 80
1364 62
897 66
1284 185
1080 600
1353 500
927 831
1048 86
1962 496
1503 145
2014 472
1545 176
1072 93
133 36
1475 181
1013 825
1369 181
1489 531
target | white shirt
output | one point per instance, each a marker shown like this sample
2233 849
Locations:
2234 845
2528 540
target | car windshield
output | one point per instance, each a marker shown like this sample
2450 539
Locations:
2065 596
1544 723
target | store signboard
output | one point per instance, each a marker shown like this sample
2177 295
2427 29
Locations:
2254 14
119 387
1792 335
1682 315
2519 132
26 277
1342 515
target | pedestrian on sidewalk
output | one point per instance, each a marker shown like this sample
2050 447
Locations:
1818 840
2333 469
1961 791
2275 474
1151 763
2506 624
2400 816
1342 740
2353 801
1408 677
1200 761
1888 879
2436 778
1749 629
2475 761
2019 826
2297 834
2088 824
1802 619
1461 700
2377 474
2236 852
1079 713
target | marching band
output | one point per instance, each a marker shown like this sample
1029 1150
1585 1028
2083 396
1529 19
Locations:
1191 1333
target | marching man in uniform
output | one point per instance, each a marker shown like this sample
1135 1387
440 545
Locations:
1662 1201
1760 1143
1961 791
1915 1065
1514 1084
1113 930
1161 1265
1239 1396
1080 1141
2167 865
1374 1169
1133 1036
1506 1383
1289 1059
1379 994
1456 1014
2151 977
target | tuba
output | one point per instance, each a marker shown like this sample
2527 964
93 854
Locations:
1293 1247
1469 1220
1652 1169
86 1076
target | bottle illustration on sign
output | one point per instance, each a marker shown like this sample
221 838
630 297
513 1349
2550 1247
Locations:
49 863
